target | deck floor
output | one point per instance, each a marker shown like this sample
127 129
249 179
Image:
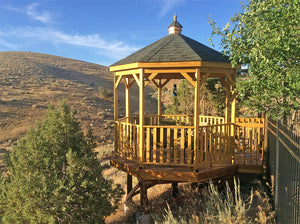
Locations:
174 173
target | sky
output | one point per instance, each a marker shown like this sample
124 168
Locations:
105 31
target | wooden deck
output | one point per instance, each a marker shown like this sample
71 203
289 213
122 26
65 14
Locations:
174 173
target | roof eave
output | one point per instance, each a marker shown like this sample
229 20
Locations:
179 64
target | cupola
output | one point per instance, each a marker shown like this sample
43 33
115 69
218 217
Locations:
175 26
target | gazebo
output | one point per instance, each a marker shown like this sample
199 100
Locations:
169 148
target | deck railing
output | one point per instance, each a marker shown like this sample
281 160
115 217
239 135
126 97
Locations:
249 141
170 140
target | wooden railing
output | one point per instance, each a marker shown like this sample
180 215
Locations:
241 142
249 141
181 120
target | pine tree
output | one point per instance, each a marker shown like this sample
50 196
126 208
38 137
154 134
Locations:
54 176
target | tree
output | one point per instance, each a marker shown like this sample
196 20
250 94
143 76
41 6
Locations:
266 36
54 176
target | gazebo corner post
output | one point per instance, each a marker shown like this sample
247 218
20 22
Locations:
196 120
232 111
116 114
141 151
127 100
159 100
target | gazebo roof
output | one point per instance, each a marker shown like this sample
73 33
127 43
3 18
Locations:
174 48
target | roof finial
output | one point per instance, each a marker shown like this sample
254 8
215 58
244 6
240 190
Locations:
175 26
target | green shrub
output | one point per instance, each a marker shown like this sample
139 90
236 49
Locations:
54 176
104 92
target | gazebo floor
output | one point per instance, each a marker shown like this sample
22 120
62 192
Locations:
175 173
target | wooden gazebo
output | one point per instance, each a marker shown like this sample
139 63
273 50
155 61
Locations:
162 148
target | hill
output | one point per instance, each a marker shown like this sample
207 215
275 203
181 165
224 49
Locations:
29 82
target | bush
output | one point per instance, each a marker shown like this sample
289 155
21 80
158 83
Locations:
54 176
104 92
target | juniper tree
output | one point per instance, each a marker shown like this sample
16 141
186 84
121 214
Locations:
54 176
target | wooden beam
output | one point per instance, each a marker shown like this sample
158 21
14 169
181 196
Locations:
170 70
155 83
136 78
150 77
127 72
188 78
180 64
117 81
130 83
165 83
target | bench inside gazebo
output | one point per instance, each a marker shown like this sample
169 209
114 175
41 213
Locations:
163 148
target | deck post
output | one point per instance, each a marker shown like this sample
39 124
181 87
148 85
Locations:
141 117
144 197
196 119
129 185
174 190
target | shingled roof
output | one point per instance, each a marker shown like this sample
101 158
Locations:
174 47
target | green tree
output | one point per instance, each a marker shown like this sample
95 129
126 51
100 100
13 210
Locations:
265 35
54 177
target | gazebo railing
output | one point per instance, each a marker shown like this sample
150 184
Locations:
241 143
249 141
182 120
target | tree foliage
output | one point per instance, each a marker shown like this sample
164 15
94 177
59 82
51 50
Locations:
54 176
212 99
266 36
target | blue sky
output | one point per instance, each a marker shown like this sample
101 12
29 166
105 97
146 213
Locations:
104 31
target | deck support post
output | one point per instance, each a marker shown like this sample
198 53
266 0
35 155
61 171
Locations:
144 197
174 190
129 185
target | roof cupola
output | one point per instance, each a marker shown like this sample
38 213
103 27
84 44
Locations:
175 26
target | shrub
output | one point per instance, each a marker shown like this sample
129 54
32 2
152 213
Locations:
54 176
104 92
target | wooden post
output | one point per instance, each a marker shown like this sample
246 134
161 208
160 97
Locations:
174 190
141 117
196 119
127 95
159 98
227 109
233 99
116 98
129 185
144 197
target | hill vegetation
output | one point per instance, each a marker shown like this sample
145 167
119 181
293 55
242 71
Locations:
29 82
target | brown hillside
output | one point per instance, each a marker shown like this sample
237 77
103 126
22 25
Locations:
29 82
